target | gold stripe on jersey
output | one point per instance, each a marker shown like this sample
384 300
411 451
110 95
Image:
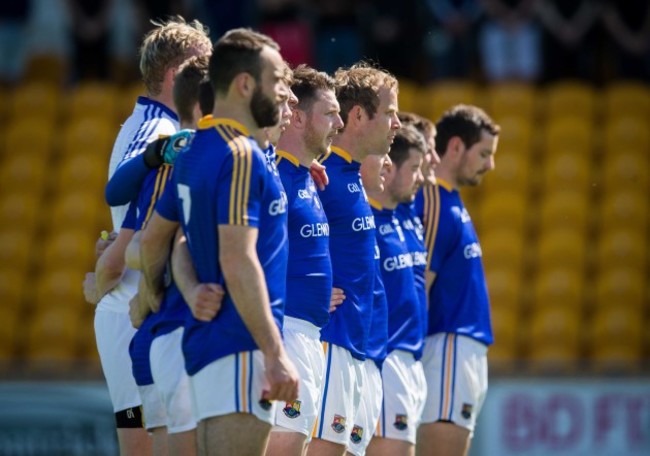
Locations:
287 156
341 153
212 122
431 215
448 378
241 177
161 180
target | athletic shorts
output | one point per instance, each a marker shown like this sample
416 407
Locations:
365 421
304 348
232 384
340 395
153 409
113 333
456 371
172 381
405 391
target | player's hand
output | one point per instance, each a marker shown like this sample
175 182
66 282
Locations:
90 289
319 175
137 313
174 144
205 301
338 296
105 239
282 377
149 298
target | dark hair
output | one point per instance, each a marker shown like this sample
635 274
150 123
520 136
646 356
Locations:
422 124
307 82
206 97
465 121
238 51
407 138
359 85
187 85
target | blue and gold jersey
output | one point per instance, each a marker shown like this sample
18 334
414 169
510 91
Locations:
222 179
458 298
309 275
352 249
377 348
414 234
405 323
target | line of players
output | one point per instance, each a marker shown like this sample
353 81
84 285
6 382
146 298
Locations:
236 244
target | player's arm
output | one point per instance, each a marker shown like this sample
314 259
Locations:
155 246
111 265
132 254
246 284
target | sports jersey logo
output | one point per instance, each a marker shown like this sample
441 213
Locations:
408 224
292 409
315 230
363 223
472 250
357 434
401 422
353 187
401 261
466 411
419 258
462 213
338 425
278 206
304 194
265 404
385 229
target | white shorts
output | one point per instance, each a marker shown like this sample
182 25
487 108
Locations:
405 392
302 342
340 395
171 380
233 384
113 333
153 409
456 371
365 421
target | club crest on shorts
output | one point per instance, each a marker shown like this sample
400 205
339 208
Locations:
357 434
401 422
466 411
265 404
338 425
292 409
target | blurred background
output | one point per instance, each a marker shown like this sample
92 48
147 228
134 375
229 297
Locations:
563 220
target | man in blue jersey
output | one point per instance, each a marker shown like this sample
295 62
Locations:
162 51
459 332
314 122
224 196
404 386
368 100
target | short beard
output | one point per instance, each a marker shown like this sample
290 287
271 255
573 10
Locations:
265 112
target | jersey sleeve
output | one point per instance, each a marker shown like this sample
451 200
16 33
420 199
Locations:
130 219
167 204
152 189
124 185
445 238
241 185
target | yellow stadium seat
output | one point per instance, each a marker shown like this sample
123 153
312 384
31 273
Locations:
20 210
504 286
29 136
554 339
630 98
128 98
408 96
504 209
93 98
622 247
12 282
570 98
561 286
564 209
40 99
443 95
61 286
52 334
88 135
505 323
511 173
24 174
516 136
621 287
48 68
505 100
16 247
83 172
626 132
625 208
567 170
10 332
73 247
617 338
569 134
626 169
74 209
502 247
561 247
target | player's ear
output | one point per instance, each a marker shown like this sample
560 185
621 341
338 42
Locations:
298 118
244 84
356 116
455 146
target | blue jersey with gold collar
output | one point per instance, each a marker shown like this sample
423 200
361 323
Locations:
352 249
309 274
458 298
222 179
377 348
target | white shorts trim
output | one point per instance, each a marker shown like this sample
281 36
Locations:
455 367
153 409
367 417
113 333
232 384
171 380
303 346
405 391
340 395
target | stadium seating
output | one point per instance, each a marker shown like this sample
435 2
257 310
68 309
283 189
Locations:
52 335
622 286
568 134
24 173
16 247
511 173
629 98
442 95
626 132
88 135
516 136
32 136
503 209
505 100
561 287
625 208
503 247
554 339
61 288
564 209
83 172
561 247
40 99
565 170
93 98
75 209
570 98
617 338
20 210
622 247
504 286
504 327
626 169
73 247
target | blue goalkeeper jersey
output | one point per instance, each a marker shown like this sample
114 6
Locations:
352 249
222 179
309 274
458 298
405 323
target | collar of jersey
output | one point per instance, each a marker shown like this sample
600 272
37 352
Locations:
376 204
146 101
210 122
444 184
341 153
287 156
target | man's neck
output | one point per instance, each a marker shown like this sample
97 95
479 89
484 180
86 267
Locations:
293 144
383 199
446 175
164 98
352 144
238 113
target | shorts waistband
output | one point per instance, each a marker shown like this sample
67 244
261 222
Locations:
303 326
